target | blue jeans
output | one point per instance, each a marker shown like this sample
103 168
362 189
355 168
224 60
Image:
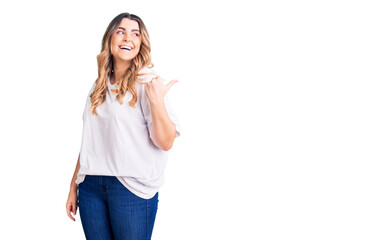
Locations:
108 210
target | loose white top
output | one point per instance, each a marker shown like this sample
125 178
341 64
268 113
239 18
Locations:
118 142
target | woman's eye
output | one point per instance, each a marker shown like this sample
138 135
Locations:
122 33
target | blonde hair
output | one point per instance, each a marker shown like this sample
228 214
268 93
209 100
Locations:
131 76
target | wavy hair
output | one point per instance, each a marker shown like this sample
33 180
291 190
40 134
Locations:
131 76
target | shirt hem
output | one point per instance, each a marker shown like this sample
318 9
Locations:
81 177
138 194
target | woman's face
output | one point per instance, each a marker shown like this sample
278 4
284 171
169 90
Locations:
126 41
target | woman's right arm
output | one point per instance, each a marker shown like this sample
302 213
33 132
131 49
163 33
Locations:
73 185
72 204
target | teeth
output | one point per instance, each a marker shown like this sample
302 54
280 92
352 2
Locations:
125 47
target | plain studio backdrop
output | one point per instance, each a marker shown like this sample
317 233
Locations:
276 101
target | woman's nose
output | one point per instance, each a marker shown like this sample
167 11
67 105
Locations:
126 38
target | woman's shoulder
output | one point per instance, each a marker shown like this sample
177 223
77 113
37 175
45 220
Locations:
93 86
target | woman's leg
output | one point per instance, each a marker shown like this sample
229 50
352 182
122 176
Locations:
93 209
132 217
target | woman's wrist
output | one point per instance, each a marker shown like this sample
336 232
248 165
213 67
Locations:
73 187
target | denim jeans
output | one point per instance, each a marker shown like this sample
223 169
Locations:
108 210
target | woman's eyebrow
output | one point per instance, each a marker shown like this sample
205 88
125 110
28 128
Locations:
133 30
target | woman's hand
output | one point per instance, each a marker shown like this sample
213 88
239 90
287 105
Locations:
72 205
156 90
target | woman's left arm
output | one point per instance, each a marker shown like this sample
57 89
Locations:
163 130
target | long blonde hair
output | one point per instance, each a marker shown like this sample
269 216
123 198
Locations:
131 76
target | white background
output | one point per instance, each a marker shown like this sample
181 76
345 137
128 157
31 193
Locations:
276 101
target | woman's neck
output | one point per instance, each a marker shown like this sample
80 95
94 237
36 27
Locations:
119 71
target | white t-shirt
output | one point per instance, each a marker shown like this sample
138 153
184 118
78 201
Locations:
117 141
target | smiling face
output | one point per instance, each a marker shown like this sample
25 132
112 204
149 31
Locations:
126 41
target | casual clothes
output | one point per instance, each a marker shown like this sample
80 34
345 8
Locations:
117 141
108 210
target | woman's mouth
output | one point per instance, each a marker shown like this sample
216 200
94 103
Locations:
125 48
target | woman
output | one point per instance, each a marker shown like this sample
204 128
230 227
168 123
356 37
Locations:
128 129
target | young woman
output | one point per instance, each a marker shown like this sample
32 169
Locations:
128 129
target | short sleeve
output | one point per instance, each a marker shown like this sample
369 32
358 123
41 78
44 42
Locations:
145 105
88 100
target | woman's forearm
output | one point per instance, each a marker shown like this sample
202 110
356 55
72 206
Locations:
163 130
73 185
